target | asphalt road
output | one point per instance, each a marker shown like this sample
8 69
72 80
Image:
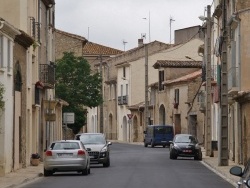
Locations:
134 166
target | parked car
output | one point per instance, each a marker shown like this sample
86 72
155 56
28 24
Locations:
185 145
97 146
244 175
158 135
66 155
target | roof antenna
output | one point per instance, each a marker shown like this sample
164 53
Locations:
124 44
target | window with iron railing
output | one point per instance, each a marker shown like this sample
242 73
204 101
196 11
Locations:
47 73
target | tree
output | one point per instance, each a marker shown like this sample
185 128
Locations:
76 85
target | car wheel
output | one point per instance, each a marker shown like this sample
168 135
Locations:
171 155
152 144
145 145
198 157
164 146
85 171
47 172
107 164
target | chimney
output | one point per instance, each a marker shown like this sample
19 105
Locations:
140 42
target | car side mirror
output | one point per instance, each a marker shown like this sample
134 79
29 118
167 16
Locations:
109 143
236 170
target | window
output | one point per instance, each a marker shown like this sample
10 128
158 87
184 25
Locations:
121 90
9 56
124 72
161 79
176 96
126 89
110 92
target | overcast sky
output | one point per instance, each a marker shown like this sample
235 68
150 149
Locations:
114 23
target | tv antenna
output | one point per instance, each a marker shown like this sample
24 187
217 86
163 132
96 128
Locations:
143 35
124 44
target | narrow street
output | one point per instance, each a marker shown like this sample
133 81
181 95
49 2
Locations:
134 166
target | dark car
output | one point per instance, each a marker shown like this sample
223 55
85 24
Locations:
158 135
185 145
243 174
97 146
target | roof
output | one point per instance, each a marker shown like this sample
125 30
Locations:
182 55
71 35
185 78
169 63
96 49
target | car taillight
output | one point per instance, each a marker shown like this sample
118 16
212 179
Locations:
81 152
48 153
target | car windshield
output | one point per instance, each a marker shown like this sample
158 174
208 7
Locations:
64 146
92 139
185 139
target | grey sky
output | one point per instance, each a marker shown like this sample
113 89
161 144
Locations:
110 22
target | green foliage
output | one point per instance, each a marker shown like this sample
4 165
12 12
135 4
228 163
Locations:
1 96
76 85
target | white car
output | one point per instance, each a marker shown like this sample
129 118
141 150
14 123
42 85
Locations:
66 155
97 147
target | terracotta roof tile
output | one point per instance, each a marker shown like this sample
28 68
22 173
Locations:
96 49
71 35
170 63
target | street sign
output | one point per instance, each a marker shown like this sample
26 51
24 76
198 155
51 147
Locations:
130 116
68 118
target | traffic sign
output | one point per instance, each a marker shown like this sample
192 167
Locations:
68 118
130 116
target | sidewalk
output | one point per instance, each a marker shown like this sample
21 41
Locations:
15 179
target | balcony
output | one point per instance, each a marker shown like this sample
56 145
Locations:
123 100
47 75
233 81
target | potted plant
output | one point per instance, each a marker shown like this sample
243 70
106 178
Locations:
35 159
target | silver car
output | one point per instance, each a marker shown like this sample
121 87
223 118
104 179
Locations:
66 155
97 146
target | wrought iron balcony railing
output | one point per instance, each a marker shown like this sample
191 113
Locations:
47 75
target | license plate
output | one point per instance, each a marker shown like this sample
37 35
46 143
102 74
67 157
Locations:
65 154
91 157
187 151
163 141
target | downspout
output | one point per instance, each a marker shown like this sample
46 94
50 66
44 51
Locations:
239 106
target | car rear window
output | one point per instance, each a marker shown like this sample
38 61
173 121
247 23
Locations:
186 139
65 146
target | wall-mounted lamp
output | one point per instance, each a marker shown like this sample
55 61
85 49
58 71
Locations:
204 18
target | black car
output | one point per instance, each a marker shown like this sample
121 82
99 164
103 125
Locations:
243 174
185 145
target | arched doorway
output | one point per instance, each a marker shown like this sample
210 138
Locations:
110 131
124 129
162 115
135 129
